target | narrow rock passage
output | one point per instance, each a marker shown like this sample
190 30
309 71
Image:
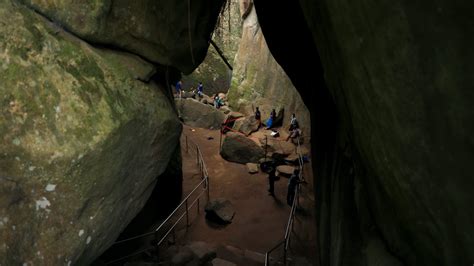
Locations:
260 220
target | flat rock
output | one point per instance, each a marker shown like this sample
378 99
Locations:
285 170
220 211
184 256
221 262
252 168
202 251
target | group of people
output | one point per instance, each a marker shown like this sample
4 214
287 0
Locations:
292 184
294 128
218 101
179 89
270 121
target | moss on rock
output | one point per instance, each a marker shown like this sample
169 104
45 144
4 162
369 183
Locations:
82 139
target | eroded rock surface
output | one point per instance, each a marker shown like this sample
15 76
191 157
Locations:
82 142
156 30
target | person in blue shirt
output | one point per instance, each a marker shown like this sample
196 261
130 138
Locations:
271 120
200 89
178 89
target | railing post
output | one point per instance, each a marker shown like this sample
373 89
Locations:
198 206
197 155
266 144
157 247
207 181
220 139
187 216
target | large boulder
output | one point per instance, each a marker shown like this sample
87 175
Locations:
259 81
248 125
240 149
197 114
82 141
156 30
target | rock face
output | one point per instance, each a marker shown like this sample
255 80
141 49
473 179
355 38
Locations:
240 149
213 72
258 80
82 142
394 179
197 114
156 30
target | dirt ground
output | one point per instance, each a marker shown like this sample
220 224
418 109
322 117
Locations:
260 219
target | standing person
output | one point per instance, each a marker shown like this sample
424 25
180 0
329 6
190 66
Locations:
292 183
200 89
258 117
293 122
178 89
271 181
216 101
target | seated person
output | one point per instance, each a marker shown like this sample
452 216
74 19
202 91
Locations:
296 132
271 119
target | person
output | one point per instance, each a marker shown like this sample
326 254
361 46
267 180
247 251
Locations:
200 90
293 122
178 89
258 117
271 180
292 183
295 132
271 120
216 101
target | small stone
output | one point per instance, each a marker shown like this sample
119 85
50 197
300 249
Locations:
252 168
50 187
285 170
220 211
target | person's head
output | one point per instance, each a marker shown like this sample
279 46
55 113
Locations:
257 108
200 83
293 115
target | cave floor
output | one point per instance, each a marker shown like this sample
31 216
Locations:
260 220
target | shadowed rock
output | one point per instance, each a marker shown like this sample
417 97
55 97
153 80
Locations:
220 211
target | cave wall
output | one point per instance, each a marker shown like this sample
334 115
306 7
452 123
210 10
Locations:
214 74
259 81
394 96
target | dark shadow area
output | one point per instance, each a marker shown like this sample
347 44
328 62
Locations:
165 197
302 64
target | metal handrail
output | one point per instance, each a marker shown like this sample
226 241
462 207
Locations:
204 182
294 205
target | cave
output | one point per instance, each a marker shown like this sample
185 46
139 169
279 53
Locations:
91 131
